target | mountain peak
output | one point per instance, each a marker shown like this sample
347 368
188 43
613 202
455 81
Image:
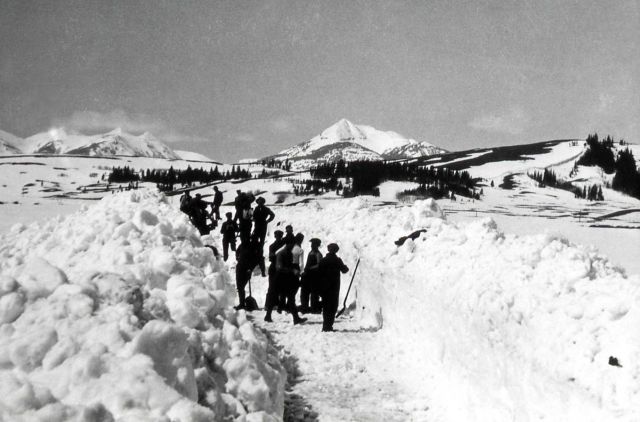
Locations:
346 140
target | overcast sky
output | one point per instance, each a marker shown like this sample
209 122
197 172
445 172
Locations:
238 79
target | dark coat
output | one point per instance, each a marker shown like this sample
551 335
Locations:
228 230
330 268
263 215
217 199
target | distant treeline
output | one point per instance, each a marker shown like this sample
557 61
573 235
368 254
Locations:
600 153
317 186
366 176
170 177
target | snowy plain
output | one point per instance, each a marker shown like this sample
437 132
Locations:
507 308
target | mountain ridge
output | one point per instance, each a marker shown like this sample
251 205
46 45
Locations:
348 141
115 142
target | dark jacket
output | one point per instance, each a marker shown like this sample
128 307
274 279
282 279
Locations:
248 257
330 268
273 248
263 215
312 267
229 229
217 199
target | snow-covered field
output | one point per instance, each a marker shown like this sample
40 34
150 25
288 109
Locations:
506 309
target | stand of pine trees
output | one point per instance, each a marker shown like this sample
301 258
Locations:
123 175
165 179
366 176
600 153
627 178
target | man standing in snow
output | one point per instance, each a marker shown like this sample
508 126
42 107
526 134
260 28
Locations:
287 278
217 201
245 224
228 230
248 258
238 203
310 280
199 214
273 290
262 216
330 268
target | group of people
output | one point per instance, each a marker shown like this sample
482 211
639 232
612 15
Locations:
196 209
318 279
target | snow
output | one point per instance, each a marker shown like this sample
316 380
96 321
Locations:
116 142
563 152
373 142
495 319
120 312
9 143
478 324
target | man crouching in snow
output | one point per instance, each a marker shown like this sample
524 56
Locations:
330 268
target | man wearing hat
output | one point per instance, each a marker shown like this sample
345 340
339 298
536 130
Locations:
262 216
228 230
310 280
330 268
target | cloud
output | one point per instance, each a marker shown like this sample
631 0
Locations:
88 121
512 122
281 125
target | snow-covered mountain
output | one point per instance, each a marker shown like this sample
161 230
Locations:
349 141
8 143
116 142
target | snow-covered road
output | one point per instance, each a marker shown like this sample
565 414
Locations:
348 375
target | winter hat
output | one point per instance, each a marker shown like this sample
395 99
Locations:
333 248
260 200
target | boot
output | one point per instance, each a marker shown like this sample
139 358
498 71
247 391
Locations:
297 320
267 317
241 297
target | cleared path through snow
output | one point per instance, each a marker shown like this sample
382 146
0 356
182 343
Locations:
347 375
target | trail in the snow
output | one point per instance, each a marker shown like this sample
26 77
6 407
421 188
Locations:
346 375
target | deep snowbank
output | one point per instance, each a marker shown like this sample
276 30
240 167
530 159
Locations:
119 312
492 326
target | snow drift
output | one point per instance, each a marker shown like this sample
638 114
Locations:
492 326
119 312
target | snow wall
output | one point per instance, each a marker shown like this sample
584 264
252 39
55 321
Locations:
500 327
119 312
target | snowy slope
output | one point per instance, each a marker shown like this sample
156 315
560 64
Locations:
119 312
9 143
191 156
116 142
383 144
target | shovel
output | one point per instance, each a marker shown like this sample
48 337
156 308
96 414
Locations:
250 303
344 304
